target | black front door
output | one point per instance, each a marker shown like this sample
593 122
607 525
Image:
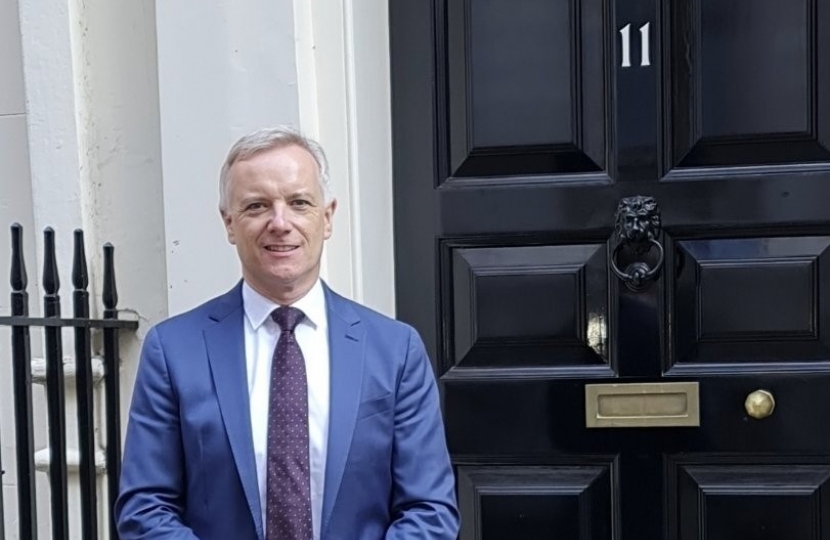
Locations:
539 144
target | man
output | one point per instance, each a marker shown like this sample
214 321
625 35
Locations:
281 410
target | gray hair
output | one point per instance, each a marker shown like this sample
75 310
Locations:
270 139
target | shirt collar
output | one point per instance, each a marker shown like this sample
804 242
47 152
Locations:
258 308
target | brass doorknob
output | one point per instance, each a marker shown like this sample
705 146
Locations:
759 404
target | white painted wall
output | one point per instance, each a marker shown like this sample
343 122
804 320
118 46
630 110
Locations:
123 123
15 206
231 73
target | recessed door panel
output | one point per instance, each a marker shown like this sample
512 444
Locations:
749 82
760 300
528 306
536 503
770 501
526 87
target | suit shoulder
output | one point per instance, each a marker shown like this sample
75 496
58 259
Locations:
200 315
377 321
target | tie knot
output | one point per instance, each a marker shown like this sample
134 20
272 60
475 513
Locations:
287 317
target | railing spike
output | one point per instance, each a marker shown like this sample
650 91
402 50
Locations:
112 384
55 403
80 277
110 293
85 393
51 280
22 392
19 278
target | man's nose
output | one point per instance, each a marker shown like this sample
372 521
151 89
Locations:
279 218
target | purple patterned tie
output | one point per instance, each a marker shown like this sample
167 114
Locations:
289 481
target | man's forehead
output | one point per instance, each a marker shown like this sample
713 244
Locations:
286 161
276 188
284 153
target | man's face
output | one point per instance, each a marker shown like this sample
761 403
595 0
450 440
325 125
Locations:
277 217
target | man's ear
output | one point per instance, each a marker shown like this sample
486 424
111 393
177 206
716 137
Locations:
328 215
227 219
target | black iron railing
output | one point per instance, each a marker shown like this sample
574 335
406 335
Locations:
52 324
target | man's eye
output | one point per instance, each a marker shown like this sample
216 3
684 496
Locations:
300 202
255 206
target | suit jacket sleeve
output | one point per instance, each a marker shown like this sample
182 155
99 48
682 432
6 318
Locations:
423 495
152 492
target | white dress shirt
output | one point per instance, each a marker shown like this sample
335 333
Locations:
261 335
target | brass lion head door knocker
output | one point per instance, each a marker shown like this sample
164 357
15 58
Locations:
637 232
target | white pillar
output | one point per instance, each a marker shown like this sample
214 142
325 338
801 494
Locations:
343 64
56 155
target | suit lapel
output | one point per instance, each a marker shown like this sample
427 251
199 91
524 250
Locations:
226 353
346 352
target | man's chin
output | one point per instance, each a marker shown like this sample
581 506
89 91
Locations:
289 281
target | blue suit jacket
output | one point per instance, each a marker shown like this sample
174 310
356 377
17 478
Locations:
189 469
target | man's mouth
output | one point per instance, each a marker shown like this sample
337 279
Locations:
281 249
